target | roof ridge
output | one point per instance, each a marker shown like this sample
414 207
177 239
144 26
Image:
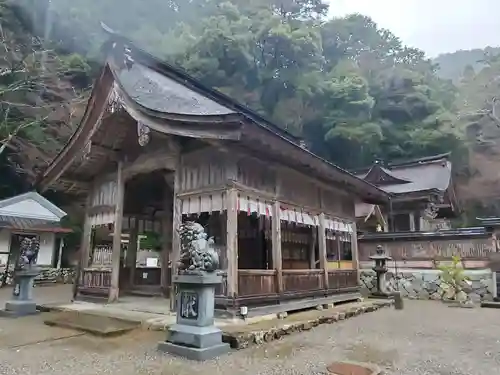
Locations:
422 160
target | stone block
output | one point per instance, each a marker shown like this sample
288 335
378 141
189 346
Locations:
423 294
474 297
195 354
431 287
282 315
15 309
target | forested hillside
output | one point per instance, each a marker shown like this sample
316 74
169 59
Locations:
454 65
354 91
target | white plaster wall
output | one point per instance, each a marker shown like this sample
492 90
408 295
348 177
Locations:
4 245
46 253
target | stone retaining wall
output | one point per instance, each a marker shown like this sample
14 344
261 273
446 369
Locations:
427 284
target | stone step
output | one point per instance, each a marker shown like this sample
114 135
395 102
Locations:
240 337
491 304
91 323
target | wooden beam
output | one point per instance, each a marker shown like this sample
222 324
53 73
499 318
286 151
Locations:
322 247
149 162
111 153
117 235
232 243
276 245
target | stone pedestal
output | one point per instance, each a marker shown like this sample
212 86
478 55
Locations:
194 335
22 303
380 258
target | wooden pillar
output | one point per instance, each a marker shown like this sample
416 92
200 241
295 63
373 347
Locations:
133 246
312 247
276 245
117 234
60 253
386 219
166 229
86 242
176 222
412 221
232 243
354 250
322 247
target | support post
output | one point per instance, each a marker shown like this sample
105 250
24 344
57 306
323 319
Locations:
312 248
86 242
133 246
60 253
322 248
232 243
355 251
176 222
117 235
166 228
412 221
276 245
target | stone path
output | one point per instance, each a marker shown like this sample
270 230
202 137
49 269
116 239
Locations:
427 338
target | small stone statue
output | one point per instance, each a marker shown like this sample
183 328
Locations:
28 252
197 252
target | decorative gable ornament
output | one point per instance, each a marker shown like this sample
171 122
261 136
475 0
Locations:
430 211
143 134
114 101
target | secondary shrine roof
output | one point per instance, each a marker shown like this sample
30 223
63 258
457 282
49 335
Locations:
30 211
419 175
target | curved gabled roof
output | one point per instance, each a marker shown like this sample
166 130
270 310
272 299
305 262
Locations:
170 101
430 173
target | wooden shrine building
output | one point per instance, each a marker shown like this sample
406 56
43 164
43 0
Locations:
422 191
155 147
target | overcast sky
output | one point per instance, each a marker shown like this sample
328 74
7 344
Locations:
435 26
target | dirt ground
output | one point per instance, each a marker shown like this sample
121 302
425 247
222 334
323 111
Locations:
427 338
50 294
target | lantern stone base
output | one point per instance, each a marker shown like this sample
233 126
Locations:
14 309
194 336
196 354
22 303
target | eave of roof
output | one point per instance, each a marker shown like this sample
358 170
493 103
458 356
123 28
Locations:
56 211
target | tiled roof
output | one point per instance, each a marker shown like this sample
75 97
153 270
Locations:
159 93
432 173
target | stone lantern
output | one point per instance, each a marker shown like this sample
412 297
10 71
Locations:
25 273
195 335
380 269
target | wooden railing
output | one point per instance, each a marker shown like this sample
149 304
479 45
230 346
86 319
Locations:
303 280
256 282
95 281
342 279
221 289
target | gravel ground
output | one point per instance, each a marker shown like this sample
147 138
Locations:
426 338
